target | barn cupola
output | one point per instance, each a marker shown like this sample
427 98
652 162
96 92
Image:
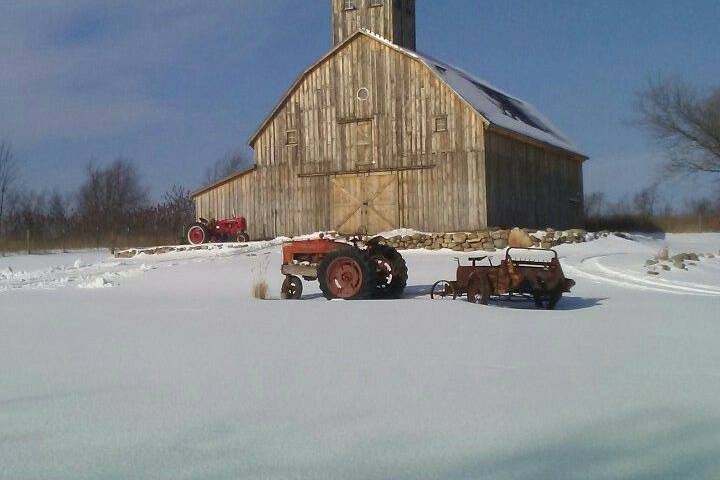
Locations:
392 19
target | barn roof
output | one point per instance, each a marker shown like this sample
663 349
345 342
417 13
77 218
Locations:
500 109
223 181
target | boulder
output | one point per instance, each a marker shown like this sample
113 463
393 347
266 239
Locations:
519 239
500 243
459 237
663 254
649 263
679 264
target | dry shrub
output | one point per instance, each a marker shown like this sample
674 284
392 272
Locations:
259 271
260 290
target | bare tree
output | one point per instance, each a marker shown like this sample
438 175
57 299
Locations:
179 207
594 204
226 166
702 207
108 195
8 176
684 121
645 201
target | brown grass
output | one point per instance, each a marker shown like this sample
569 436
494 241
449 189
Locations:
666 224
260 290
259 271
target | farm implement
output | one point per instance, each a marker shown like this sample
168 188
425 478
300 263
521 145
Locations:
349 270
542 281
213 231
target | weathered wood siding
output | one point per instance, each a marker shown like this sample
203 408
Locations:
440 175
532 186
391 19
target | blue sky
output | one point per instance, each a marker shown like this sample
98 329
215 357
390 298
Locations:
176 84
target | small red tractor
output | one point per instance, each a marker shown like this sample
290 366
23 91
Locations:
227 230
349 270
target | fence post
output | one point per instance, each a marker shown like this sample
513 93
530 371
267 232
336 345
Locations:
27 240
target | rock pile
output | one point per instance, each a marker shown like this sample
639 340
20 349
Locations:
664 261
486 240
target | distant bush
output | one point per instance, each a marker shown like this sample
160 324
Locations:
667 224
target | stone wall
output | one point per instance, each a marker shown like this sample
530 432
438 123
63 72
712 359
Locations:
487 240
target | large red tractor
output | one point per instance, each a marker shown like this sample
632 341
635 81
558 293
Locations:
349 270
227 230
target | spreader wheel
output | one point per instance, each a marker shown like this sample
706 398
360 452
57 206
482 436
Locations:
347 274
197 234
391 271
479 289
243 237
443 290
292 288
555 297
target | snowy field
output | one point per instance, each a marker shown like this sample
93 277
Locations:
165 367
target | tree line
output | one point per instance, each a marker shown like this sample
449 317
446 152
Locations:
111 208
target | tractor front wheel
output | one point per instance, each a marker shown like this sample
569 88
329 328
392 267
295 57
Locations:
197 234
243 237
348 274
292 288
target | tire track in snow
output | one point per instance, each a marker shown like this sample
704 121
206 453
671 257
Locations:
688 287
631 281
107 273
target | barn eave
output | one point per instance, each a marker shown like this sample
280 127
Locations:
223 181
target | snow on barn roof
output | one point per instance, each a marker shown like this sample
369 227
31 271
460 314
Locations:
498 108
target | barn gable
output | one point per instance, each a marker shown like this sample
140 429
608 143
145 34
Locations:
496 107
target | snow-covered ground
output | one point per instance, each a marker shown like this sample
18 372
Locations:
172 370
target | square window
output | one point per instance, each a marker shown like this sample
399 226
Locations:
376 3
441 123
349 5
291 137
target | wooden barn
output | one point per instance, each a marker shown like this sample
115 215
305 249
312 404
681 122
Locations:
376 136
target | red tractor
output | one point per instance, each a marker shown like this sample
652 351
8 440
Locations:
349 270
227 230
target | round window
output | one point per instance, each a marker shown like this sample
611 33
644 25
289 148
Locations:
363 94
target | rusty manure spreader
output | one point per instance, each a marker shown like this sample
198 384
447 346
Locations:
351 270
520 273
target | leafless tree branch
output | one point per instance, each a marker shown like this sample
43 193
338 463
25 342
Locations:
8 177
685 122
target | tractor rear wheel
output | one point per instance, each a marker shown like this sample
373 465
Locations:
479 289
391 271
197 234
348 274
